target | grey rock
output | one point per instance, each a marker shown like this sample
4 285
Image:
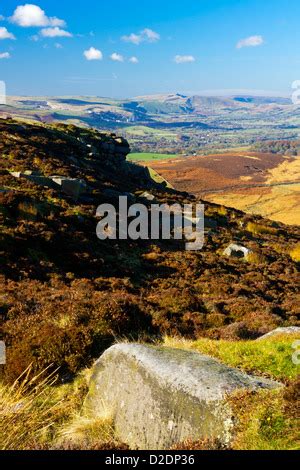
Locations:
113 194
289 330
34 177
161 396
148 196
16 174
237 251
71 186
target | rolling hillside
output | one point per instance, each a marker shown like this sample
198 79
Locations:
265 184
66 296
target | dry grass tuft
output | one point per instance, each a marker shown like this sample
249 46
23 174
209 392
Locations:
87 432
26 410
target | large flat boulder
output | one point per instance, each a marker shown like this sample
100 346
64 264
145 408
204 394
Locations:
162 396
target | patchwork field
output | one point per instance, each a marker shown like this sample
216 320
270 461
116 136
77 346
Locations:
258 183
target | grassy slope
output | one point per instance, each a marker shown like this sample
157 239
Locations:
271 357
158 179
267 420
280 203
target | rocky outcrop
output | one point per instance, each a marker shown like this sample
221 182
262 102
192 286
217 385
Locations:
73 187
161 396
289 330
103 146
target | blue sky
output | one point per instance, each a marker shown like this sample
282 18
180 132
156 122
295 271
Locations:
134 47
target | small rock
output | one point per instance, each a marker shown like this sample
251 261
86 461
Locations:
289 330
237 251
148 196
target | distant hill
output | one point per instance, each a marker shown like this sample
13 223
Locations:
140 108
195 123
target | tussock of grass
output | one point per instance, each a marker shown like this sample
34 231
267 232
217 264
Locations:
271 357
256 258
85 432
258 229
295 253
222 210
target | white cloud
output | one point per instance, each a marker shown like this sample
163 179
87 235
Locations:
4 55
184 59
58 45
55 33
134 60
32 15
134 38
146 35
117 57
252 41
150 35
4 34
93 54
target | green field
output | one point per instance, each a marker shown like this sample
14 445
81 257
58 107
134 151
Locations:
145 131
147 157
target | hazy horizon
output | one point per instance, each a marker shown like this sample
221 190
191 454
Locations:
203 93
